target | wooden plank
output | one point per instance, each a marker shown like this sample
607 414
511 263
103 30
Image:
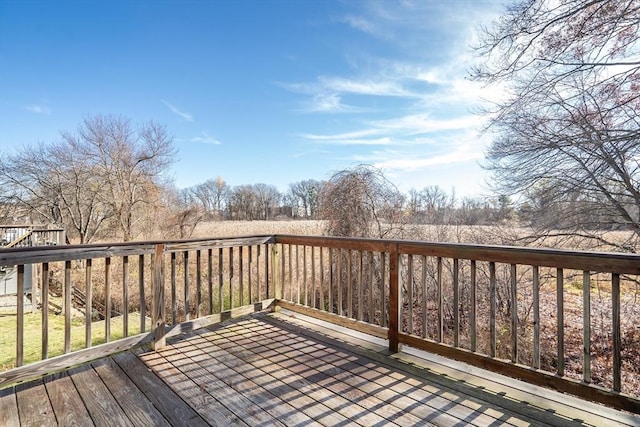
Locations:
107 296
33 405
355 413
157 307
186 283
394 300
277 382
617 343
568 259
143 301
440 301
424 297
410 295
492 309
68 406
88 308
54 364
360 285
192 325
514 314
266 391
9 415
45 310
356 325
134 403
199 283
220 281
521 400
349 284
474 304
170 390
536 318
20 317
583 390
125 296
586 326
174 295
232 398
456 303
560 318
210 278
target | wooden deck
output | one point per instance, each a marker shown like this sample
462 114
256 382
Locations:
277 369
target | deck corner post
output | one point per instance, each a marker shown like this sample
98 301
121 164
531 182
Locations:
158 309
275 272
394 300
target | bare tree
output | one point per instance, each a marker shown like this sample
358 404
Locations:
267 200
305 197
128 159
55 183
569 128
362 202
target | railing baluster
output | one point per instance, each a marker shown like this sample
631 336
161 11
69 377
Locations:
283 278
198 283
322 304
617 343
231 276
349 285
384 319
210 277
290 273
536 317
560 318
456 304
586 324
143 301
187 305
158 303
360 293
331 279
313 276
298 300
370 280
249 267
492 309
394 299
424 296
440 300
220 280
45 310
340 307
241 275
125 296
174 303
472 315
514 314
409 292
107 292
305 285
266 271
88 320
20 319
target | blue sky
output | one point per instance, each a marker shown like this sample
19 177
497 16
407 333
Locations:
258 91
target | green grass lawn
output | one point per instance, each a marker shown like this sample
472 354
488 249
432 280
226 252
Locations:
33 335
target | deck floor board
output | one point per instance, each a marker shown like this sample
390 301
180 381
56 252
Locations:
275 369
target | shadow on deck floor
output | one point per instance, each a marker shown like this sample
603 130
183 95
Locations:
276 369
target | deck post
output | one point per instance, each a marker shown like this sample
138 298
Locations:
158 311
394 300
275 272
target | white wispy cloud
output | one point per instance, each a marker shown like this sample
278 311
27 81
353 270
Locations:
39 109
205 138
184 115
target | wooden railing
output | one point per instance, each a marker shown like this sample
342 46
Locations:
479 304
525 313
169 287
